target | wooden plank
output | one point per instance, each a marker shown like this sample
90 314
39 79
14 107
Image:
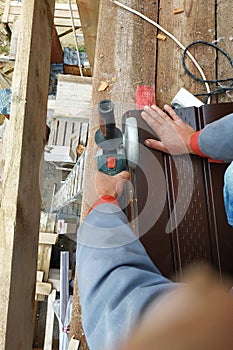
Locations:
170 75
73 96
53 132
43 288
39 276
2 162
224 41
75 137
20 211
125 50
44 250
69 129
12 11
6 11
129 35
74 344
58 22
66 22
56 50
47 238
61 133
48 340
89 11
84 133
66 13
54 153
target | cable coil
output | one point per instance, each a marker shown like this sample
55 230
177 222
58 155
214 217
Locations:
222 89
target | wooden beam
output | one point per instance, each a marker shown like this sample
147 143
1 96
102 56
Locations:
43 288
74 344
39 276
89 11
196 22
6 11
125 57
224 37
48 238
48 340
128 59
56 50
21 200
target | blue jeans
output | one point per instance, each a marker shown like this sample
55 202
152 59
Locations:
228 193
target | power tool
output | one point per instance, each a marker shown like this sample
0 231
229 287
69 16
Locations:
117 151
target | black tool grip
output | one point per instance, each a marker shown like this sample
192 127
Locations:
107 119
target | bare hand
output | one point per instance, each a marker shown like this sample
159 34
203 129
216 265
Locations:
111 185
174 134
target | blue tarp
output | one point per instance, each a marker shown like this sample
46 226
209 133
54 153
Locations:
71 57
5 101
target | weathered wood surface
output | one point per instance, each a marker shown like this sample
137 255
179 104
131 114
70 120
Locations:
125 57
20 205
73 96
89 11
62 16
127 60
224 37
126 50
195 23
48 341
47 238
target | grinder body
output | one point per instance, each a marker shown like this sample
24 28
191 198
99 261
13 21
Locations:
111 157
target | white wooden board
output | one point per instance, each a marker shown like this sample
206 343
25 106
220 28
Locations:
63 154
73 96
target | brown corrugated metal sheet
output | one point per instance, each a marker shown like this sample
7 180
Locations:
203 233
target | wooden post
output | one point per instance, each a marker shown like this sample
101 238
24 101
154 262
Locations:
224 23
20 206
125 57
48 340
89 11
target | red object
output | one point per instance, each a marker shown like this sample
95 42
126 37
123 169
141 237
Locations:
196 149
145 96
111 162
194 144
103 200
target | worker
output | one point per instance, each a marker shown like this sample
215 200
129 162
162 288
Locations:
121 289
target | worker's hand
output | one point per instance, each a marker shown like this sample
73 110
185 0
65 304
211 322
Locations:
111 185
174 134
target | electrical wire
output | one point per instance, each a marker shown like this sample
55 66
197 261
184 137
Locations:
171 37
222 89
75 37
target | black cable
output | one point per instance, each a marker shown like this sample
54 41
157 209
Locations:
222 89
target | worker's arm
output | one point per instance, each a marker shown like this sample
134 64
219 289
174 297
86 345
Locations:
177 137
116 278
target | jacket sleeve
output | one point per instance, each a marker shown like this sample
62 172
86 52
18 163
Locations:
216 140
116 278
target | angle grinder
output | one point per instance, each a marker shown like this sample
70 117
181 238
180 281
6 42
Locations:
117 151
